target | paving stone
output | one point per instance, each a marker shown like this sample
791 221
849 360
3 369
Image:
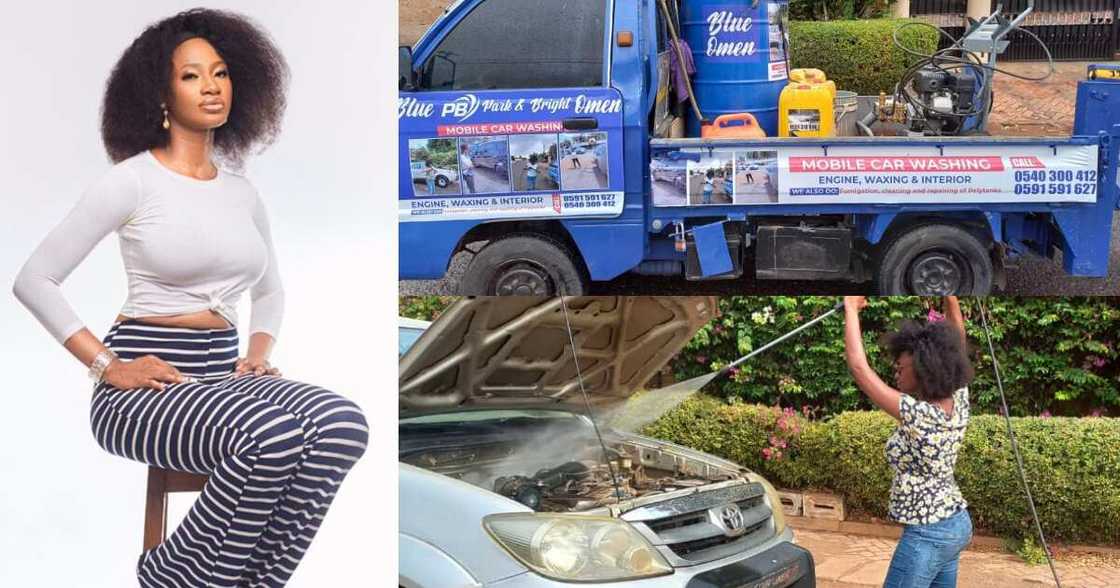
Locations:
834 568
871 573
848 561
1025 108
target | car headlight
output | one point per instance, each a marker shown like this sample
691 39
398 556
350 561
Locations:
775 506
576 548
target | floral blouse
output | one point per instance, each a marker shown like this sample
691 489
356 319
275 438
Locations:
923 452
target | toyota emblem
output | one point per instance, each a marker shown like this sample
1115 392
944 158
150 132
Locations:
732 519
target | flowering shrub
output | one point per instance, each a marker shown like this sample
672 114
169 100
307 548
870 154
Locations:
786 431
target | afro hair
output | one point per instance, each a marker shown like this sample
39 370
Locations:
131 115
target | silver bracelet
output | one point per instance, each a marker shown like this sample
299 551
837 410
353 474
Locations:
100 364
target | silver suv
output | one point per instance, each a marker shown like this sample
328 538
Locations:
506 479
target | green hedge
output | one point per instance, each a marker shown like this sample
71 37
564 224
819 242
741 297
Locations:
836 9
1073 464
425 308
1056 354
858 55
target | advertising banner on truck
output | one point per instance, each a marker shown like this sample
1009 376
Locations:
888 174
510 154
1011 173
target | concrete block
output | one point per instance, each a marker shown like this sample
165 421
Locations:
819 505
814 524
791 503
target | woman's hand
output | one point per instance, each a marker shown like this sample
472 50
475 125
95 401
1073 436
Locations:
867 380
856 303
952 310
144 372
255 366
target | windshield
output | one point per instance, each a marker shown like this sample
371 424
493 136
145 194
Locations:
406 337
437 21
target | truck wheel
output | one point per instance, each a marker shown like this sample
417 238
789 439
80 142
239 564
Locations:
442 181
935 260
524 265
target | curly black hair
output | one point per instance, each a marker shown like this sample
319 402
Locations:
131 116
940 360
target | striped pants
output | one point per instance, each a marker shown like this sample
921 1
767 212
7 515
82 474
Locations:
276 451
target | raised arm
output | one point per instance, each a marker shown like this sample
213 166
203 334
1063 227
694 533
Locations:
954 317
873 386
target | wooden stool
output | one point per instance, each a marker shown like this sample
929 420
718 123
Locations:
161 482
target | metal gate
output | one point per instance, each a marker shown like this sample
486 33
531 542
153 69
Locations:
1072 29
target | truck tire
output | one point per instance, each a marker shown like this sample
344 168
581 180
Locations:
934 260
524 265
442 181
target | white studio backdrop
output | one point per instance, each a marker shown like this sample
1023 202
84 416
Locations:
70 513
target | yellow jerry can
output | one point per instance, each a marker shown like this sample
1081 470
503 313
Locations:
806 110
810 75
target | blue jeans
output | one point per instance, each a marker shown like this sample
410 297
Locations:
927 555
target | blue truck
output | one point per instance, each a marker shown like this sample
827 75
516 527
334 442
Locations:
493 154
926 215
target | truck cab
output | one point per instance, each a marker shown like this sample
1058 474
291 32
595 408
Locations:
593 74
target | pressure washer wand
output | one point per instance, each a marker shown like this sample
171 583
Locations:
727 369
648 406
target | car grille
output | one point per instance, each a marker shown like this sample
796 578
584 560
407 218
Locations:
683 530
687 548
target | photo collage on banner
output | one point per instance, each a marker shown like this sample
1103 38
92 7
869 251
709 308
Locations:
435 166
509 163
715 177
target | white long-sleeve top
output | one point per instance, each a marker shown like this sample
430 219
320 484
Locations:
188 245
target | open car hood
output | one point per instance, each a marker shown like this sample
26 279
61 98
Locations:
504 350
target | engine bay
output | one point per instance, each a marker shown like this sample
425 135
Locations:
557 475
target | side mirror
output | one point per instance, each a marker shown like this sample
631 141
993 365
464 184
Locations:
407 77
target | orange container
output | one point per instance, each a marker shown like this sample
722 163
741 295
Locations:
742 125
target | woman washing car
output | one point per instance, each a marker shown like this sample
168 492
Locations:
931 372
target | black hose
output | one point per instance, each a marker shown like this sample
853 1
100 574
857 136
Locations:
1014 443
864 124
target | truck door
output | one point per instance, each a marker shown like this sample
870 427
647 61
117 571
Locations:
512 116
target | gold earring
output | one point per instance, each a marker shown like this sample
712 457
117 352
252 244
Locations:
166 123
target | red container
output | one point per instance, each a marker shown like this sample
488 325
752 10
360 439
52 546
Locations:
742 125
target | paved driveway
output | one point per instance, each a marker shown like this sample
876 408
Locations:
851 561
